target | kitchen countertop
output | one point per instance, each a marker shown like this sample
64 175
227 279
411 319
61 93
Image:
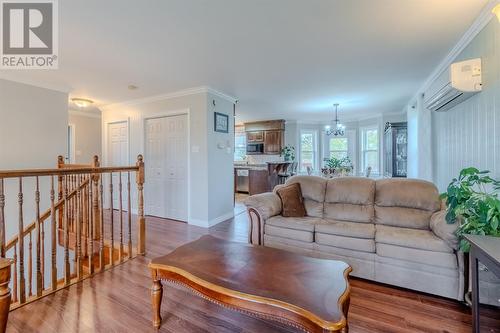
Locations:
251 166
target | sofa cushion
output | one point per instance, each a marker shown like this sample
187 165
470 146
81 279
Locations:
407 254
409 193
296 223
350 229
292 201
351 243
405 203
411 238
313 191
403 217
350 199
269 240
351 190
301 235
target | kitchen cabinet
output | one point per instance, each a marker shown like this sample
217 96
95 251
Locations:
255 136
272 142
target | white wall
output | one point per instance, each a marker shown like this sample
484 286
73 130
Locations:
420 150
32 134
220 171
88 141
469 134
32 127
211 174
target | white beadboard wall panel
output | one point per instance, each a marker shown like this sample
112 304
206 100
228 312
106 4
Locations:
469 134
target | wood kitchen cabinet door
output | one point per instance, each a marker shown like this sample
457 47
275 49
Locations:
272 142
257 136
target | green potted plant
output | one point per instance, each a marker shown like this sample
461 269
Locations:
337 165
472 200
288 153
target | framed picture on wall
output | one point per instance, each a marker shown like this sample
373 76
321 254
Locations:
221 122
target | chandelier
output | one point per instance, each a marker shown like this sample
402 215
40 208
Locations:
336 129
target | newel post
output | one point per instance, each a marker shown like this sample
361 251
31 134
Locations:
5 296
141 222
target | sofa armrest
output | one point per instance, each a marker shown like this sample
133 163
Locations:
267 204
443 230
260 208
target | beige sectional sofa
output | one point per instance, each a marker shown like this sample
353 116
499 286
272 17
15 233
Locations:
389 230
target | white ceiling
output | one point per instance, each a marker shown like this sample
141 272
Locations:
287 59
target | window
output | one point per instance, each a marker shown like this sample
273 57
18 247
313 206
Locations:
240 144
338 147
369 149
308 150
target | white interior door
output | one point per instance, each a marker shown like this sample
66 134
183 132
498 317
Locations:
167 167
118 156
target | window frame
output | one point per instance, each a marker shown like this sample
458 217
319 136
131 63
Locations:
315 148
364 150
337 151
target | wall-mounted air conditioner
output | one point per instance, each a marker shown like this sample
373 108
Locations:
464 80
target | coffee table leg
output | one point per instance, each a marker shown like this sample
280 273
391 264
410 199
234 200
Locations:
156 295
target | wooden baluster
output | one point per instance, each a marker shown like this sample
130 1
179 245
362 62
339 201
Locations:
54 231
20 242
111 249
42 256
141 221
60 163
30 267
90 231
2 220
101 233
14 280
129 215
38 240
67 273
84 216
120 252
95 204
78 254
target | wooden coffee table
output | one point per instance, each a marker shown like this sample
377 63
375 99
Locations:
307 293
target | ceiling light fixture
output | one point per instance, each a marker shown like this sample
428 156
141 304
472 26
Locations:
496 11
336 129
82 102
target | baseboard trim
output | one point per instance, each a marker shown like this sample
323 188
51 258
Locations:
212 222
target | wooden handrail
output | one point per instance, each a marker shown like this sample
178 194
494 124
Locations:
43 217
60 172
76 223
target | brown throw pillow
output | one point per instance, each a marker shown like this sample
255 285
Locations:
292 201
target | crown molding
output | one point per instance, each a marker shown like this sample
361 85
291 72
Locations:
90 113
180 93
479 23
8 76
226 97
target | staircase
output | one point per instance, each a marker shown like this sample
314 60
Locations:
78 235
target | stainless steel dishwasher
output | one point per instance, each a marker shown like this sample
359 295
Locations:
242 180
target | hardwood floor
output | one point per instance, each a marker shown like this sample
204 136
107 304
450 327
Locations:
118 300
